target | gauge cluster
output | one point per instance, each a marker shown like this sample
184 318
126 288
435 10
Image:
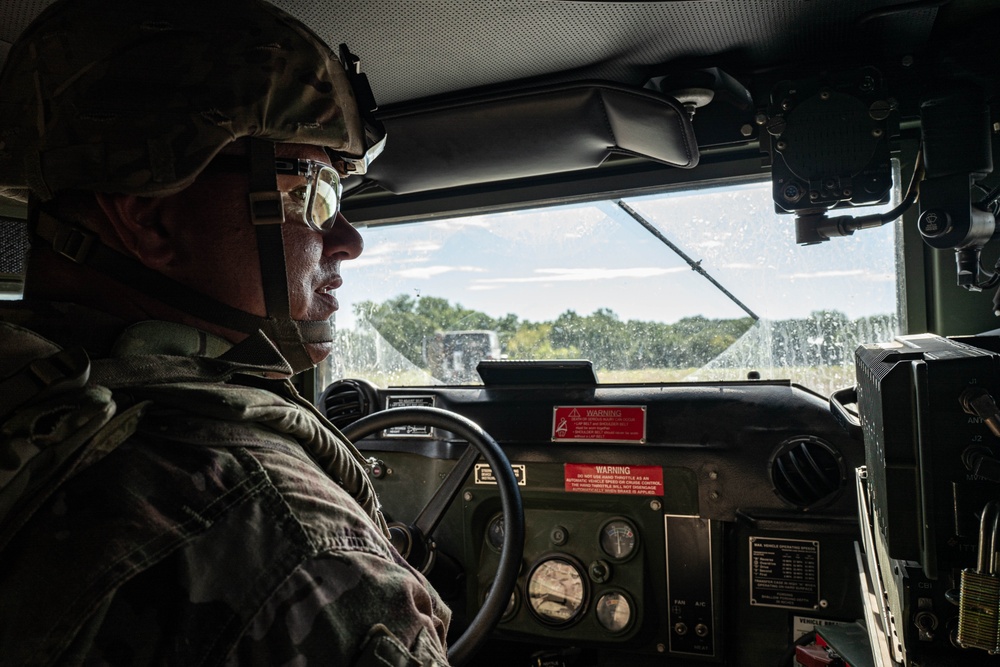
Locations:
584 572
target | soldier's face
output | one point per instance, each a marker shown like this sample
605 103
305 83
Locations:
216 245
312 258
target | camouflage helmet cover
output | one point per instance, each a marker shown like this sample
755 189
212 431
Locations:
137 97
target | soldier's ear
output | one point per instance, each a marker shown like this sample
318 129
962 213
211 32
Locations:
136 221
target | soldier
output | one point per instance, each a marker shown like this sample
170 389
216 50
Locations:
165 495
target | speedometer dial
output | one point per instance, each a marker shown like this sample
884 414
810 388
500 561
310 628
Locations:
556 590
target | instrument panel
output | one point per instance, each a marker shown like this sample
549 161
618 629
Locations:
712 561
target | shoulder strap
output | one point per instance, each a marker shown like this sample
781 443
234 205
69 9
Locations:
33 367
52 423
34 484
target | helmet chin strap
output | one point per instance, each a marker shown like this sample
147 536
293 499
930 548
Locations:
268 216
290 336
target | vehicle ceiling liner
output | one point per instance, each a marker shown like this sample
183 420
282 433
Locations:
413 49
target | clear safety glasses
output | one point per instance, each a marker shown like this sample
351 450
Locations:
320 196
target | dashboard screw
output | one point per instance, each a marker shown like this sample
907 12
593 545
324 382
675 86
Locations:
713 475
880 109
467 496
655 505
660 648
714 495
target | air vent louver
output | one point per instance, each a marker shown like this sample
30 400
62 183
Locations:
807 472
346 401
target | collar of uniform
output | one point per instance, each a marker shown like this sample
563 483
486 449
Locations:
168 338
66 324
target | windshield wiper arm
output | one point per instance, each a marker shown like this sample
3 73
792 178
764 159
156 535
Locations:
695 265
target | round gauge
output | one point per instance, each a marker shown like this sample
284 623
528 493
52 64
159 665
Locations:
494 532
619 539
556 590
511 607
614 611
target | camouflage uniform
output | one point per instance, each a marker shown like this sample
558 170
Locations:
212 536
178 508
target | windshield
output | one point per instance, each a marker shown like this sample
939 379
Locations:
686 286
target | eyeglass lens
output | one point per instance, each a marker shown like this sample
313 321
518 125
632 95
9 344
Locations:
325 198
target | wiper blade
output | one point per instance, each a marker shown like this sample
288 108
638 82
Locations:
695 265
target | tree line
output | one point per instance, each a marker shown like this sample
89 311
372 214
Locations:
822 338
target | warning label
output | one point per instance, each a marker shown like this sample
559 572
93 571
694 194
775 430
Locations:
616 479
601 423
784 573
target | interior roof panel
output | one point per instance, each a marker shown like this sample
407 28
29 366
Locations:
420 48
414 49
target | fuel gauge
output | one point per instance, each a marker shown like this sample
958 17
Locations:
619 539
614 611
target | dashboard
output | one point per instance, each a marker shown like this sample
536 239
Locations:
692 523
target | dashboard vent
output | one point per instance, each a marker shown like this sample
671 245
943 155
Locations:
346 401
807 472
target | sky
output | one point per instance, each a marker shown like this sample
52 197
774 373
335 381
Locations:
538 264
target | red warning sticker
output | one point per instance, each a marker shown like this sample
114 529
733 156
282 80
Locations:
599 423
617 479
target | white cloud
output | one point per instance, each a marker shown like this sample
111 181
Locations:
425 272
852 273
395 253
455 224
737 266
588 274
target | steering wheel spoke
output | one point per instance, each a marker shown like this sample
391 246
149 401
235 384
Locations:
434 510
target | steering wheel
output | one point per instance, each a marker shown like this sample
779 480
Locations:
413 537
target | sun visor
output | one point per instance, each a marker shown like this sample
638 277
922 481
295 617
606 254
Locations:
529 133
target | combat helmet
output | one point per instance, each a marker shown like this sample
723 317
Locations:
133 97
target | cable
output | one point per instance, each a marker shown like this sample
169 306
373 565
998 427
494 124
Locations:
845 225
912 190
789 654
991 197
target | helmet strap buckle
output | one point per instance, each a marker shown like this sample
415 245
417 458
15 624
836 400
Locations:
69 241
266 208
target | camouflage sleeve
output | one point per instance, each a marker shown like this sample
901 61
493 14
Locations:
348 608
